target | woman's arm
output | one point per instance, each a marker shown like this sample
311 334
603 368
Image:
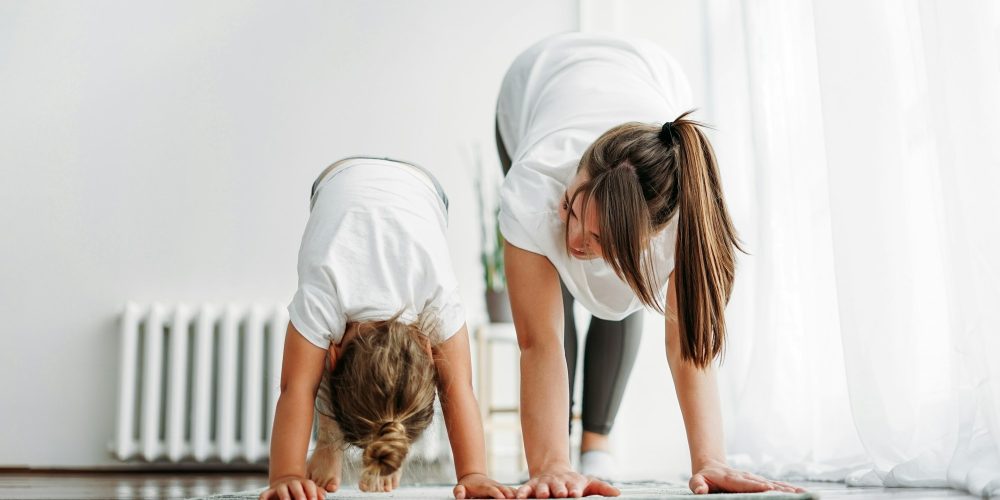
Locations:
461 417
301 369
698 396
536 303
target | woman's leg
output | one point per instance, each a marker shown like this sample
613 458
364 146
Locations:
569 345
608 359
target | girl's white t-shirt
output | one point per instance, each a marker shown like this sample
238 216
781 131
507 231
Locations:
556 99
374 245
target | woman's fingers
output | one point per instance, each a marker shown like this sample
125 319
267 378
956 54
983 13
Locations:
789 487
542 490
576 486
525 490
558 489
597 487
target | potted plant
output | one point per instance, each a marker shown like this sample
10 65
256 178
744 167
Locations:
491 256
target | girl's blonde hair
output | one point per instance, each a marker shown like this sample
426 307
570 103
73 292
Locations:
382 392
643 175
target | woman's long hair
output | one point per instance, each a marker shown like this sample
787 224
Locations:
640 176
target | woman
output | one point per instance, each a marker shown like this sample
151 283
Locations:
625 215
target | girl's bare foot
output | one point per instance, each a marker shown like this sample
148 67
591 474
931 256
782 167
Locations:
324 467
384 483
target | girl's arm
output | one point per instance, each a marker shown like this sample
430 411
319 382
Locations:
302 366
536 303
461 417
698 396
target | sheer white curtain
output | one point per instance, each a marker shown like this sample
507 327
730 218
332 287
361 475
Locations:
860 147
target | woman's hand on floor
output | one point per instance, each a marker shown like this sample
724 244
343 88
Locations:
717 477
564 483
481 486
293 488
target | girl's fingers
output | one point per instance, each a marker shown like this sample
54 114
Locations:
495 492
459 492
310 490
698 485
744 485
509 492
283 493
295 488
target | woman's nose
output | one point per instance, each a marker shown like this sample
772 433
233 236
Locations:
576 242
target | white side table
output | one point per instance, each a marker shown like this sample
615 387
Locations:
487 337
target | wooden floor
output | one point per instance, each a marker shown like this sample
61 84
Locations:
30 485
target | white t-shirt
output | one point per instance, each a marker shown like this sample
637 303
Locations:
374 245
556 99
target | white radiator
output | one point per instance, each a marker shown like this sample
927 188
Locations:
198 383
201 384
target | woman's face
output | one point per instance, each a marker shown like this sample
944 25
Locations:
582 245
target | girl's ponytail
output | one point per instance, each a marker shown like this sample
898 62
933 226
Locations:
384 455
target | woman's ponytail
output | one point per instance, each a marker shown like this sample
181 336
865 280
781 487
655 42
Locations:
706 244
642 176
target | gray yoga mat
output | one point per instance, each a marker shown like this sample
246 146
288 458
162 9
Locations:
644 490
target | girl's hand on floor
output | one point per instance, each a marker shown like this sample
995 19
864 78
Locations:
479 486
717 477
563 483
293 488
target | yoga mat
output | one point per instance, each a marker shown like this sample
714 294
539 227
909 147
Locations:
638 490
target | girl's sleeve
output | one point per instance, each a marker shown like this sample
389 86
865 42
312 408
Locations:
315 310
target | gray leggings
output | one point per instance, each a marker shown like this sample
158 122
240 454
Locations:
608 356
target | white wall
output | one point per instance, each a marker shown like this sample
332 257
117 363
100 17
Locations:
164 151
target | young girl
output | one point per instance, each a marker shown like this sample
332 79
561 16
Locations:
606 204
377 301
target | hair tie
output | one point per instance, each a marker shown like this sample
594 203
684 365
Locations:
667 134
